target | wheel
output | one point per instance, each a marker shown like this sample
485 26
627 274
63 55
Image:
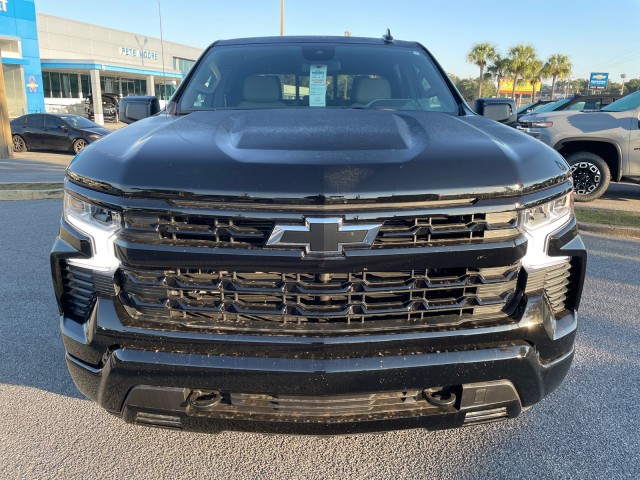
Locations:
591 175
19 144
79 145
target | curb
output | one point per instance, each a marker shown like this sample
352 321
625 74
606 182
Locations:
611 230
30 190
13 195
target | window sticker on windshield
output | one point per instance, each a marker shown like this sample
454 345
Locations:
317 85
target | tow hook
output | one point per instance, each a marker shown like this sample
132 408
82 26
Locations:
439 397
204 400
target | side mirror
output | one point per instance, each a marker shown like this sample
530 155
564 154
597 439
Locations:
133 109
64 128
501 110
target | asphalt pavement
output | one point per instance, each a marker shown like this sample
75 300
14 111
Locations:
588 428
24 170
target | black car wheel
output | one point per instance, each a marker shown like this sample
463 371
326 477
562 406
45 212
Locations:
79 145
19 145
591 175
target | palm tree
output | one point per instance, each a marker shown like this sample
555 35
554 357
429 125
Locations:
520 57
499 69
479 55
534 72
558 65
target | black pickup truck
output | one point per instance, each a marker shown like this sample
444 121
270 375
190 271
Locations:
317 236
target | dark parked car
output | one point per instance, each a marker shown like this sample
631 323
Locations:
54 132
110 107
530 107
363 253
579 102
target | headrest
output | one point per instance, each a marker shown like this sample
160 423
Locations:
366 89
262 88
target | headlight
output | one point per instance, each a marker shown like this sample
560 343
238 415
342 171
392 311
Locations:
547 213
100 224
538 223
538 124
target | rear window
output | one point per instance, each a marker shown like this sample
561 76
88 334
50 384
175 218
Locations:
36 121
316 76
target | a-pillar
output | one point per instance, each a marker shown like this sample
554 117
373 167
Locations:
96 96
151 88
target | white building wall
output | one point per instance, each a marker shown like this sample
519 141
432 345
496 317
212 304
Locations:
64 105
65 39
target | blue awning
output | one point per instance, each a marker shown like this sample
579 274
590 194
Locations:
106 68
14 61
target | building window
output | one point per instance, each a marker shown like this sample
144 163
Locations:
86 85
109 84
182 64
165 92
61 85
133 86
46 84
56 90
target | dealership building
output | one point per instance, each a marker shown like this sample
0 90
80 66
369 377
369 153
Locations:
52 64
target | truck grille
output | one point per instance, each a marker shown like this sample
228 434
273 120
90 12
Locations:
308 302
79 292
81 287
325 409
553 281
241 232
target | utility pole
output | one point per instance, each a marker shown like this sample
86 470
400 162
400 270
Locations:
6 144
623 77
281 18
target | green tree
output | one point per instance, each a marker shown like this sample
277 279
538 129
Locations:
499 69
534 72
468 87
632 85
558 65
615 88
520 57
480 54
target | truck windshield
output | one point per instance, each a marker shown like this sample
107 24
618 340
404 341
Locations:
553 106
630 102
314 75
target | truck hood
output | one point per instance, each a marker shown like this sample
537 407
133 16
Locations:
323 153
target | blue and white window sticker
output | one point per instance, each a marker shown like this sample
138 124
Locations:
317 86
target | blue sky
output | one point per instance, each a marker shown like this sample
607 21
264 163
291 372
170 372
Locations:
598 36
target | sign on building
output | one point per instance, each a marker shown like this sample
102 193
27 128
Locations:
522 87
598 81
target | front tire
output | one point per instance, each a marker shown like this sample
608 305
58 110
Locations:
19 145
591 175
79 145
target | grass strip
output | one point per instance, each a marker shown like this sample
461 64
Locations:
31 186
608 217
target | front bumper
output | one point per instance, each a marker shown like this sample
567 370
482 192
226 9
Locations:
151 376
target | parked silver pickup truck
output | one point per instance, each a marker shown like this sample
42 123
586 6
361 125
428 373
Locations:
600 146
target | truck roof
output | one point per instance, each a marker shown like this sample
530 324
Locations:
316 39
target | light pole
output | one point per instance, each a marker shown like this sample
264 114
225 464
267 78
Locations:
164 77
281 18
567 79
6 142
623 77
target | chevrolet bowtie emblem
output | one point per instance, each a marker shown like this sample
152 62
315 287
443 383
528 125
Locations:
323 236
